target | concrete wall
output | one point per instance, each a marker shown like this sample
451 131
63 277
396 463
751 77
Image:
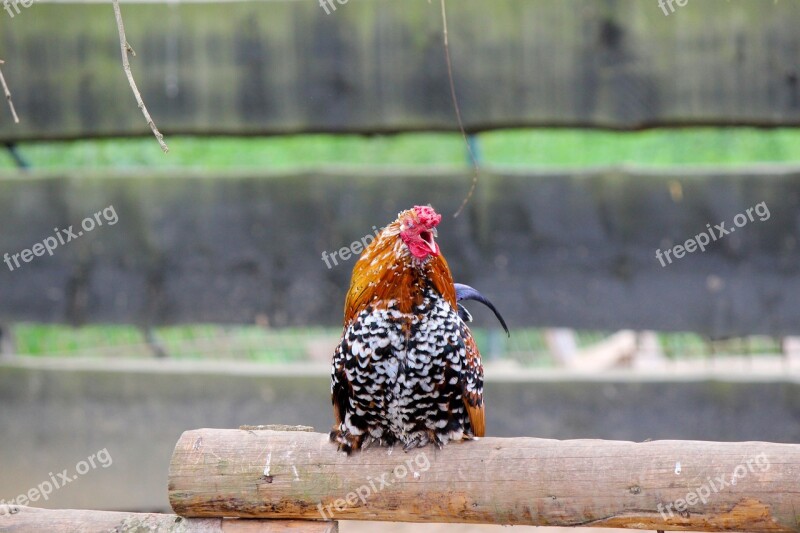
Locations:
550 248
56 413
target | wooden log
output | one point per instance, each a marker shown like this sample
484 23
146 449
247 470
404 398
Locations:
14 519
666 485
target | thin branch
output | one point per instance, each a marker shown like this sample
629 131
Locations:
126 49
472 157
8 95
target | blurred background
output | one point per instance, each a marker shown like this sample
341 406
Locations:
605 132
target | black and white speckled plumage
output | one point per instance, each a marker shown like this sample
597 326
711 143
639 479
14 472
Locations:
400 376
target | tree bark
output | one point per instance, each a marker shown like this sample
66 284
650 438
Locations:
660 485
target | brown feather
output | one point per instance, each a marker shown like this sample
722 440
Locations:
474 402
337 415
476 419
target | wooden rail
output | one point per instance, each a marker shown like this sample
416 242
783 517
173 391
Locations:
666 485
18 519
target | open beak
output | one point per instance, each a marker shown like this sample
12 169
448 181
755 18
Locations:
427 238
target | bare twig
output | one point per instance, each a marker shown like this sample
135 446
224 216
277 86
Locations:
8 95
126 49
472 157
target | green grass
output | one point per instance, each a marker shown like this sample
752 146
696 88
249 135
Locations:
38 339
649 148
261 152
253 343
529 147
247 343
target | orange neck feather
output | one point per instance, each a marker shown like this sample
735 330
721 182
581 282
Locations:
387 271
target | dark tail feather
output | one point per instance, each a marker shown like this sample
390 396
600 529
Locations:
465 292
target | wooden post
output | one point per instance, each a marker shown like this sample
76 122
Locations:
666 485
18 519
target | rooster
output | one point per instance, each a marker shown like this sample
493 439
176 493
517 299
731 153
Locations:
407 369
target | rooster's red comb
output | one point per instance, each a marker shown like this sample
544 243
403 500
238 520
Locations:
427 215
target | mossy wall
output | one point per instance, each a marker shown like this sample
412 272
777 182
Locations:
281 66
563 248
